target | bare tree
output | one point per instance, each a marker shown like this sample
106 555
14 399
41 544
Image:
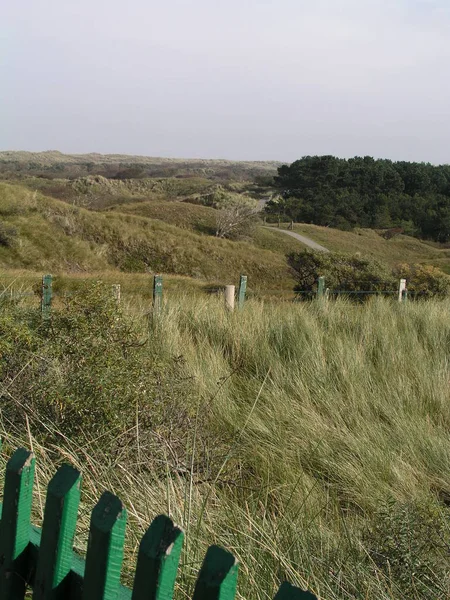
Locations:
237 216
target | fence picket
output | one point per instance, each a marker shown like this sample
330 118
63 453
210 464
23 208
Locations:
15 525
105 549
58 532
45 560
217 579
158 558
287 591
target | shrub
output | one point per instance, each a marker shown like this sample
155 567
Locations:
90 370
341 272
409 542
8 235
424 281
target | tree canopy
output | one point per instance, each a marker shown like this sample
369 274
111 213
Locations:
366 192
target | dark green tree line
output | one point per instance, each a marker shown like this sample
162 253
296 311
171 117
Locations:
366 192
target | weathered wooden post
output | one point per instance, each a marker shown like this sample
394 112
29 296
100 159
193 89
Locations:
229 297
116 292
401 289
242 290
321 287
157 294
46 301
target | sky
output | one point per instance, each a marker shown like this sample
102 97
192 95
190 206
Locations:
233 79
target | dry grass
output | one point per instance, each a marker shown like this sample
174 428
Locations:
52 236
325 451
400 249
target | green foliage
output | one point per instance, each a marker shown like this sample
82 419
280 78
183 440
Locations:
55 236
282 431
8 235
341 272
89 370
424 281
408 542
364 192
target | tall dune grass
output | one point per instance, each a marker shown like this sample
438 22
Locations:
317 446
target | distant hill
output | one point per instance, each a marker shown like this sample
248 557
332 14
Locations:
56 163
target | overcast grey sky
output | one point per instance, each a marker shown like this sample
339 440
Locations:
237 79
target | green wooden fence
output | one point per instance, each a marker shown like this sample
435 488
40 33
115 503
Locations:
44 560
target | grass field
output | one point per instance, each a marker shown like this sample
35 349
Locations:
311 440
49 235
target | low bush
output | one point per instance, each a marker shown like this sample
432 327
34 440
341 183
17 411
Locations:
341 272
8 235
353 273
90 371
424 281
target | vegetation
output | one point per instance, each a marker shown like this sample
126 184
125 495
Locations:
353 273
368 243
303 437
54 164
365 192
311 439
52 235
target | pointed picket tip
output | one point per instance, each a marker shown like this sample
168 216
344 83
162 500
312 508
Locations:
287 591
217 579
65 478
158 558
20 460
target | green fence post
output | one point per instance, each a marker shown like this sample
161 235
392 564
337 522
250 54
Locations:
157 293
321 287
217 579
15 524
46 301
105 549
58 532
157 563
242 290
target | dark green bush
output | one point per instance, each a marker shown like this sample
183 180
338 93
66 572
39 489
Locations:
8 235
409 542
341 272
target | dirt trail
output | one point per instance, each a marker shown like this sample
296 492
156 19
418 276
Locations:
301 238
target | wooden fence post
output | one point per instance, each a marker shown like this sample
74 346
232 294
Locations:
242 290
401 289
157 293
46 301
321 287
229 297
